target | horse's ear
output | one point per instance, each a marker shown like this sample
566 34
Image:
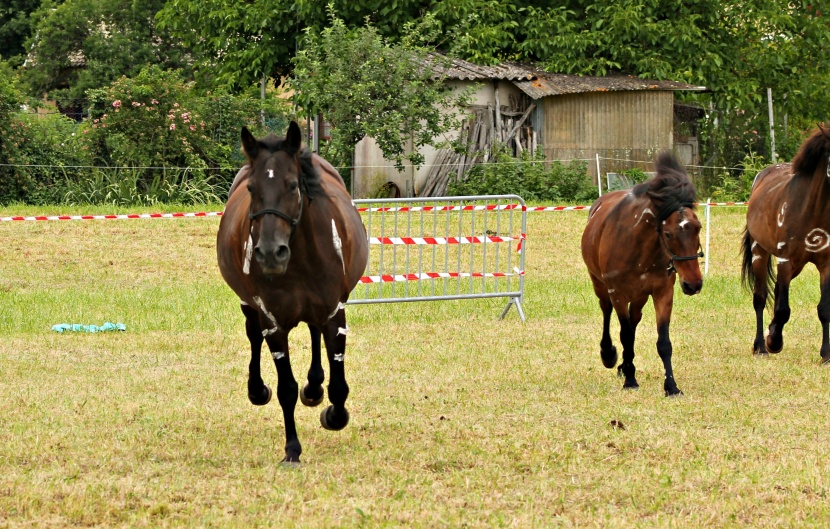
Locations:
249 144
293 138
824 131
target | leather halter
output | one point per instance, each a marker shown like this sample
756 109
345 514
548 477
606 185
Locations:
673 257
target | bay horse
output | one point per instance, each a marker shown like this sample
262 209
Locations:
292 246
635 245
788 217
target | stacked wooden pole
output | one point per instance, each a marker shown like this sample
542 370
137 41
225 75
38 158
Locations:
480 135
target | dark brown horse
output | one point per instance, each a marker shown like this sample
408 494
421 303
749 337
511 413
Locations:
789 217
635 245
292 246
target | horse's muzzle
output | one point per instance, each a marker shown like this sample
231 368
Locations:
272 259
691 288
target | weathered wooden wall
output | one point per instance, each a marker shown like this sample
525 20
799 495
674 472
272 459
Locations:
624 125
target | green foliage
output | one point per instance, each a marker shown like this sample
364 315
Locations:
530 178
367 86
737 185
15 28
126 187
80 45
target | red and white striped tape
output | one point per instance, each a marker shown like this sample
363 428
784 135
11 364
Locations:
490 207
115 217
433 275
443 240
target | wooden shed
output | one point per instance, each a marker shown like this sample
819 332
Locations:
623 119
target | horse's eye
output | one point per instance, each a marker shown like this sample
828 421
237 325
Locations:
292 186
668 236
250 188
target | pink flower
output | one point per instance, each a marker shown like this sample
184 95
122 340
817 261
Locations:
192 127
172 126
175 105
116 103
95 121
136 104
171 116
153 101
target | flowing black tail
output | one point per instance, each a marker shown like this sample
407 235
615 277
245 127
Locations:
747 276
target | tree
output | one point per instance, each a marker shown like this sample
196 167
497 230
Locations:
87 44
242 42
15 28
366 86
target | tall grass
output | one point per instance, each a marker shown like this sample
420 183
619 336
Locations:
458 419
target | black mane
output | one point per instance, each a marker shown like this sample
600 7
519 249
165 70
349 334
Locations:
670 189
310 182
811 154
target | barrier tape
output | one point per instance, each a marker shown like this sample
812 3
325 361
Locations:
433 275
490 207
443 240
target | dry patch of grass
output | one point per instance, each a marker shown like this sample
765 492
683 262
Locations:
458 419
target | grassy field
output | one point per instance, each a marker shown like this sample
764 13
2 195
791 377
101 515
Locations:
458 419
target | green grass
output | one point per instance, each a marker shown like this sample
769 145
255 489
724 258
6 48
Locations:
458 419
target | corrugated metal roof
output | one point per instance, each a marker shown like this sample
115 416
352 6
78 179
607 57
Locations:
537 83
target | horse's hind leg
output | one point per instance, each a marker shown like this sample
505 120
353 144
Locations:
781 310
258 393
760 272
336 417
312 393
607 351
286 390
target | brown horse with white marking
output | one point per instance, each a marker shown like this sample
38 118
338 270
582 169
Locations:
635 245
788 217
292 246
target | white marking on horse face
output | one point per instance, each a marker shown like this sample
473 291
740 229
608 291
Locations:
817 240
270 173
340 306
278 355
683 224
755 257
783 260
643 277
781 245
338 245
338 357
781 214
261 305
249 250
343 330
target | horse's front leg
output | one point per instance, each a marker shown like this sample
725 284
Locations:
626 368
277 340
336 417
781 309
663 301
312 393
258 393
824 313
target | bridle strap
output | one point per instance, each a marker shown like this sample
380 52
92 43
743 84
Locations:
673 257
281 215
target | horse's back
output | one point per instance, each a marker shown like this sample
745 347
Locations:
768 204
600 216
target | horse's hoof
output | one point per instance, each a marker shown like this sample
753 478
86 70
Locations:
674 392
330 424
609 359
259 401
632 386
290 461
771 349
309 401
825 360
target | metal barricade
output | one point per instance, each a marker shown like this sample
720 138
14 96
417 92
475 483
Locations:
424 249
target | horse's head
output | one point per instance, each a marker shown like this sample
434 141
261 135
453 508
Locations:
276 195
680 233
